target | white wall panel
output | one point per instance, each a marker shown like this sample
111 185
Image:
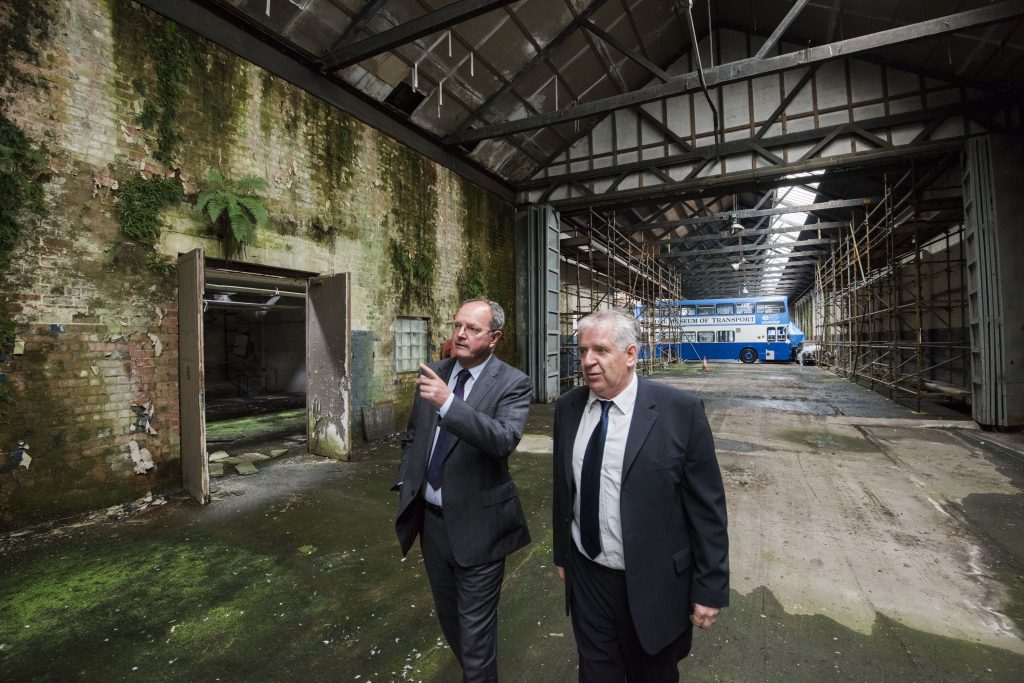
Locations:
625 129
766 96
865 81
870 111
830 81
736 108
803 100
901 82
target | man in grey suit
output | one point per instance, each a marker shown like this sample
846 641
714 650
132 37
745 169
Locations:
640 535
456 493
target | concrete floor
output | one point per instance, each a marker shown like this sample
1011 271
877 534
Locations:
868 544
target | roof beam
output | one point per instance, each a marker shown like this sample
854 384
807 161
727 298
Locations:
368 12
781 28
746 69
567 31
789 230
936 116
762 178
617 44
756 213
432 22
741 248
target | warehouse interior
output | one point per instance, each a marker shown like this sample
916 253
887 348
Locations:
853 162
845 154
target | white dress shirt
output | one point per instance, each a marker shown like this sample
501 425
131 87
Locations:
433 495
620 414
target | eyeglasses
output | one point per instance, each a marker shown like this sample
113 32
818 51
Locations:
470 330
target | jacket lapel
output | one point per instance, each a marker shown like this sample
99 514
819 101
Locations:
429 414
644 416
484 383
574 414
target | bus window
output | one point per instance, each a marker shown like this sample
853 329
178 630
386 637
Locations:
726 336
706 309
689 336
771 334
687 310
782 334
745 308
770 307
724 309
705 336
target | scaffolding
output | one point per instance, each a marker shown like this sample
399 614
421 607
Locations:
601 268
889 306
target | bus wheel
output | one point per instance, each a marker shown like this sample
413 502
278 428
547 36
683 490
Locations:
748 355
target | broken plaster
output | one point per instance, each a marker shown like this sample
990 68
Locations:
142 457
144 421
158 347
20 455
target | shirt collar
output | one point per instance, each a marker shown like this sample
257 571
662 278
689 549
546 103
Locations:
625 400
473 371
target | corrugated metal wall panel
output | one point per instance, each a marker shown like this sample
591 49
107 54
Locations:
537 280
994 237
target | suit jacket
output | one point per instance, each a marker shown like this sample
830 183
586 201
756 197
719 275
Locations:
482 513
672 505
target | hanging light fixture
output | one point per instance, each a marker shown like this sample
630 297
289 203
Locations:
736 225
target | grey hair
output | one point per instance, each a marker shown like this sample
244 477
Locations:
497 312
621 322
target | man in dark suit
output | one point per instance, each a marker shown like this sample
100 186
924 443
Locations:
456 493
640 536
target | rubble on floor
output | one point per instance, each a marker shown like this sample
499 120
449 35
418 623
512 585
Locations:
244 464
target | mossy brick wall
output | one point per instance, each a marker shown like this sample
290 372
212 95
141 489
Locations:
126 92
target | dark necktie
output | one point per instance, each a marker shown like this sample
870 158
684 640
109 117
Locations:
590 486
435 469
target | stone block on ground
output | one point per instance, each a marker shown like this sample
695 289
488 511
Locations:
216 469
253 457
219 455
246 468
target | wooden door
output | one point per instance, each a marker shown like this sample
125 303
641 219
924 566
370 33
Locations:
329 366
195 471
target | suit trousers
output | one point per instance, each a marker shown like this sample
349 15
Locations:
606 640
466 600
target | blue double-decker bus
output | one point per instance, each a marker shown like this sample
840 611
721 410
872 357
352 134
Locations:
747 329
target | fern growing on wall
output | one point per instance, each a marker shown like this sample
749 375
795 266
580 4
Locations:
235 208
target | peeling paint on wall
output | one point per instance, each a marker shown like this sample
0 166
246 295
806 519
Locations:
20 456
142 458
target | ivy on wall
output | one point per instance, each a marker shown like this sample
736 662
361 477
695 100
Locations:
24 24
485 221
175 56
411 180
139 203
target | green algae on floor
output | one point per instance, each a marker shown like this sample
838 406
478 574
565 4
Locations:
254 427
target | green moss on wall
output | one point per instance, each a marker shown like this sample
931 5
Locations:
139 203
332 142
487 224
411 181
191 95
24 25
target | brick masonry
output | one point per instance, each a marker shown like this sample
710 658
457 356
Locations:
88 307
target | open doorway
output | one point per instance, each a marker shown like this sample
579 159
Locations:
263 355
254 330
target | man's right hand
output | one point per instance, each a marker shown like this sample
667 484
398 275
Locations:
561 572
